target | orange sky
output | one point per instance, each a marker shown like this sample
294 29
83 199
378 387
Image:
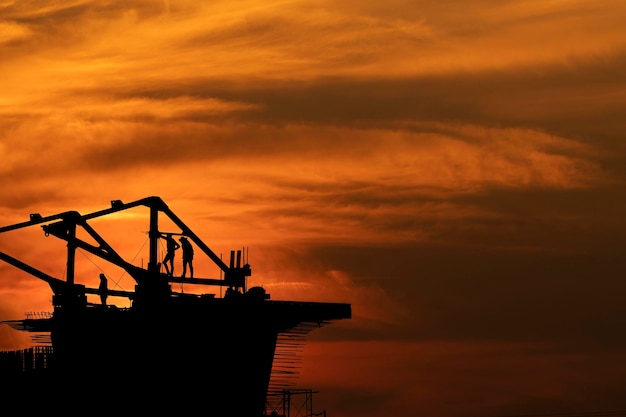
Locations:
454 170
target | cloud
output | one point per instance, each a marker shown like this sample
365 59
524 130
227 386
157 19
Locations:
11 32
452 170
379 185
456 378
372 307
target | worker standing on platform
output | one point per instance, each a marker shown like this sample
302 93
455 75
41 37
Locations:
103 289
187 256
171 248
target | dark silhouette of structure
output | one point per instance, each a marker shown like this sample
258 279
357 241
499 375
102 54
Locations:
167 352
293 403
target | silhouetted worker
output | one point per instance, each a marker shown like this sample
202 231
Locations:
104 289
172 246
187 256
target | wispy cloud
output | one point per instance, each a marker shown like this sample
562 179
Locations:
453 169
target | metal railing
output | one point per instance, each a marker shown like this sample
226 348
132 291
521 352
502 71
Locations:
26 360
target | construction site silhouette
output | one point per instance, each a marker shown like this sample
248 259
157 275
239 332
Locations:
169 351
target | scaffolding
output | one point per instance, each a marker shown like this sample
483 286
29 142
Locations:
292 403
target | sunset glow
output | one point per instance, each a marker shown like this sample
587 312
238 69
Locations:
453 170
